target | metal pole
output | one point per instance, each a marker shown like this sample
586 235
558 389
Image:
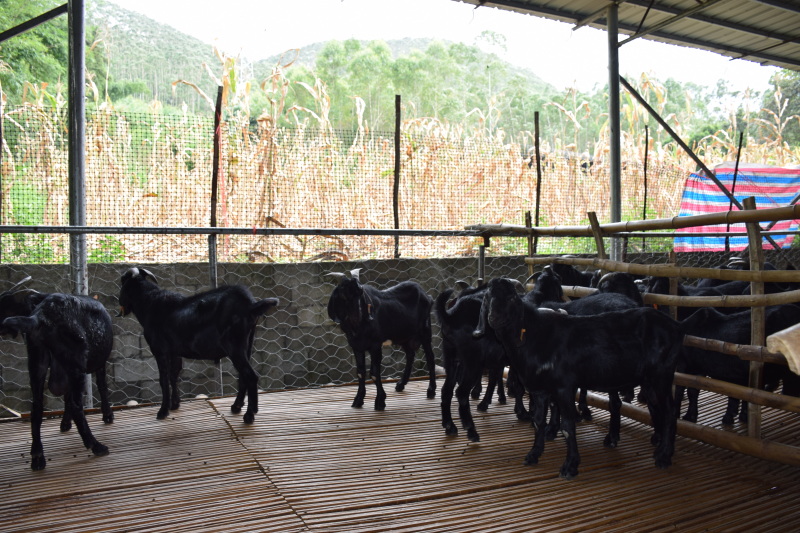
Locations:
615 163
77 162
538 176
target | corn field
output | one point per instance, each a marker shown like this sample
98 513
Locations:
153 170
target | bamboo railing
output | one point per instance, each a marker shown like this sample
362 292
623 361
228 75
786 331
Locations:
756 352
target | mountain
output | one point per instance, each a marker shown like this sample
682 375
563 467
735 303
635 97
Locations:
146 57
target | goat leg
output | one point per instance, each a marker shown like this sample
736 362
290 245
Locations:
163 379
74 402
37 373
468 379
583 406
361 370
430 362
538 418
614 407
174 374
565 399
102 388
447 397
410 353
375 370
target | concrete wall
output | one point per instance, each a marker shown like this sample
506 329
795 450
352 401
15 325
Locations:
298 346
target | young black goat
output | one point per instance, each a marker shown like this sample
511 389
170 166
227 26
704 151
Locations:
558 353
709 323
465 357
208 325
71 336
369 317
18 301
612 295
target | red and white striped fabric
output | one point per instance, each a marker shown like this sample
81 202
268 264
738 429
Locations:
771 187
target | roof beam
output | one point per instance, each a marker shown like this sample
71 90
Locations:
665 23
723 23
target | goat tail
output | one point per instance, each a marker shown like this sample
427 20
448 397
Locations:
440 304
266 306
24 324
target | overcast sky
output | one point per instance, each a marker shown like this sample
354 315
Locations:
257 29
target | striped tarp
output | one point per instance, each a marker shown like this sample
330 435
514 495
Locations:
771 187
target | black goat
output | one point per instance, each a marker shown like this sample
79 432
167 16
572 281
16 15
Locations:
465 357
558 353
548 293
369 317
18 301
71 336
709 323
208 325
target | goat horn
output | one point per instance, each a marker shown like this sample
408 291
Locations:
337 275
17 284
355 273
146 273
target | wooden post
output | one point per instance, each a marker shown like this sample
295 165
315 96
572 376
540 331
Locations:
757 319
598 235
538 176
531 249
396 191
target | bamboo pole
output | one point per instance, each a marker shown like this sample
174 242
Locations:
733 217
671 270
771 451
757 317
598 235
747 394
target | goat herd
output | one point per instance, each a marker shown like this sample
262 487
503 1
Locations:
607 342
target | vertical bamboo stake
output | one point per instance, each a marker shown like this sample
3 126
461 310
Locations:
646 155
757 334
212 238
395 196
530 240
538 176
598 235
733 191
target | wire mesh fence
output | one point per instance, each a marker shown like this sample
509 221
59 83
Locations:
149 170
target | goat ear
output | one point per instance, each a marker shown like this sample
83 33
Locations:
331 312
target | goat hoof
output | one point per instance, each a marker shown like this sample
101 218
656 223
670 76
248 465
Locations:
690 418
236 409
450 429
664 462
99 449
523 416
380 406
162 414
248 418
431 393
358 402
531 459
473 436
568 473
38 463
108 419
586 415
483 406
501 401
610 442
400 386
66 425
727 420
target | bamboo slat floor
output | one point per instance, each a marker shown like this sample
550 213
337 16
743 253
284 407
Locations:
312 463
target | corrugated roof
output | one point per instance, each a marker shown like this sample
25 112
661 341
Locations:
762 31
